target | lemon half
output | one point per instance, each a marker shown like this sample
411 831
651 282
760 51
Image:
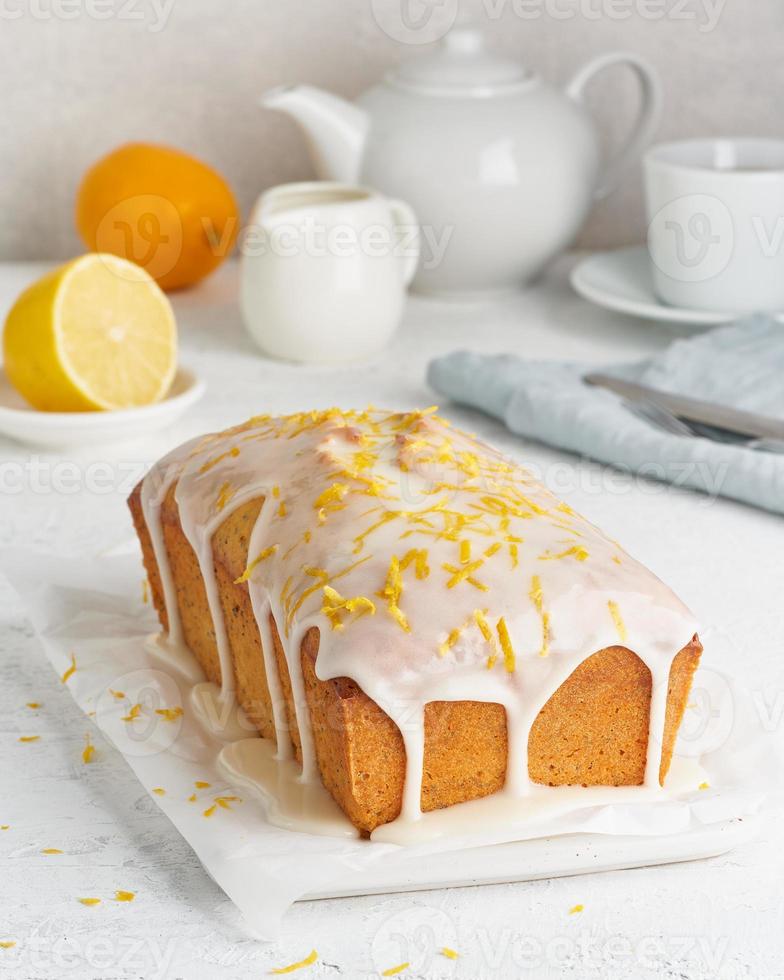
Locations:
97 333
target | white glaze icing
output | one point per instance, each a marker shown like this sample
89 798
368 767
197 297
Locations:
439 542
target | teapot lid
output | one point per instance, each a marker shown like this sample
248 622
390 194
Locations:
460 66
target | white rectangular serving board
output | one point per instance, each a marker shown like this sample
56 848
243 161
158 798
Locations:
548 857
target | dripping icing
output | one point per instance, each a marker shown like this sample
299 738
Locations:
437 534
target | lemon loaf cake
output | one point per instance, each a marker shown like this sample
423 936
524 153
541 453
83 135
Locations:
413 617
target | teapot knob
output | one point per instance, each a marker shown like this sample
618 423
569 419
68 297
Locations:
464 40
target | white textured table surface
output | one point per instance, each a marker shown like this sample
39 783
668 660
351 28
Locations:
718 918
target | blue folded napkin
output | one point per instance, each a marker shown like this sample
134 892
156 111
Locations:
740 365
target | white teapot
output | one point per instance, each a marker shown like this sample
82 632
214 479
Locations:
500 167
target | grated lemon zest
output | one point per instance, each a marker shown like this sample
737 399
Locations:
394 970
70 672
575 909
90 901
134 713
117 695
449 953
620 626
170 714
335 605
225 495
159 791
200 784
29 738
88 752
262 556
506 645
145 591
121 896
465 551
210 810
704 786
51 850
212 463
577 551
7 944
309 960
33 705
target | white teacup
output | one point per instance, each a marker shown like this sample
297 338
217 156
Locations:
325 267
716 223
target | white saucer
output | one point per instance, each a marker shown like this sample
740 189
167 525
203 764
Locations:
621 281
58 429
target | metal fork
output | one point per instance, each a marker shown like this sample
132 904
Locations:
668 422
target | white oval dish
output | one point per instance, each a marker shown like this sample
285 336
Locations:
22 422
621 280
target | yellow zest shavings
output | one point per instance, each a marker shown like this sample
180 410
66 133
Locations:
262 556
545 647
616 559
489 552
513 555
224 802
282 509
620 626
159 791
192 798
88 752
488 636
575 909
394 970
200 784
704 786
7 944
577 551
506 645
330 500
210 810
465 574
145 591
309 960
417 557
335 606
5 826
452 638
51 850
33 705
392 591
89 901
449 953
536 594
537 599
170 714
117 695
121 896
210 464
134 713
225 494
70 672
29 738
465 551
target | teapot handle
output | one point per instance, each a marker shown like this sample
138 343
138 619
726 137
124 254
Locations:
647 117
405 220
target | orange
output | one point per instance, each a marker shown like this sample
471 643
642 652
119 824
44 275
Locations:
160 208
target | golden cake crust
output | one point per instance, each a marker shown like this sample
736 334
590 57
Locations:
592 731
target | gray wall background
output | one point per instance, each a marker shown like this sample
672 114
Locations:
78 77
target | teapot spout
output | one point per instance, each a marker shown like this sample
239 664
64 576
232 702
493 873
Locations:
335 129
